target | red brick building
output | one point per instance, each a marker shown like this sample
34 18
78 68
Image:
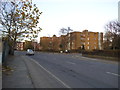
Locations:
50 43
23 45
90 40
73 41
20 46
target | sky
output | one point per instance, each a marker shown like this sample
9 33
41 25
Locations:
79 15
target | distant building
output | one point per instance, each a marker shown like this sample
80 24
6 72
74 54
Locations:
20 46
86 40
50 43
36 46
73 41
27 44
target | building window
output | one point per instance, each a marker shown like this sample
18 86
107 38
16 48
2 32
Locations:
88 42
81 38
72 43
88 38
83 35
95 47
88 47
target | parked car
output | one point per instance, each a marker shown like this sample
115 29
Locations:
30 52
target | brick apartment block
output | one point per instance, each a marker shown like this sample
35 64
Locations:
73 41
50 43
90 40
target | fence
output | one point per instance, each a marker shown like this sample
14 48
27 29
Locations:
106 53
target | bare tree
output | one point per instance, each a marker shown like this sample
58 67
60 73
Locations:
113 33
65 31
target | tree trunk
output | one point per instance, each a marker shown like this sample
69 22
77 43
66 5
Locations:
11 52
12 47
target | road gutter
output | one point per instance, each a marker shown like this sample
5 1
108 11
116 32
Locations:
65 85
29 73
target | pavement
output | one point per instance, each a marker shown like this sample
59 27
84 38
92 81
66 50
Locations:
23 72
16 74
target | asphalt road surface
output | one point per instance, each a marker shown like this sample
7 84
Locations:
75 71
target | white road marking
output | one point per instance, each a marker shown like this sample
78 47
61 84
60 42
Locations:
113 73
71 63
90 58
50 73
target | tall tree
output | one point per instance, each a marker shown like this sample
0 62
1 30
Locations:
113 34
19 20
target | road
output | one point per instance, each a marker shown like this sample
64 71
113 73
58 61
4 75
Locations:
75 71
